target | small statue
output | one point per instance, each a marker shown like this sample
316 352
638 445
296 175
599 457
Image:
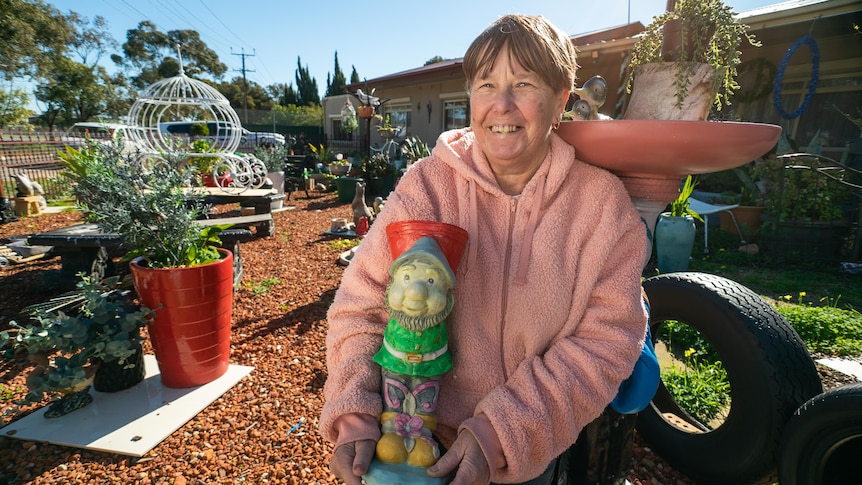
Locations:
594 92
413 359
360 208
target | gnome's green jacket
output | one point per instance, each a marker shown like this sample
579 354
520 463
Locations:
411 353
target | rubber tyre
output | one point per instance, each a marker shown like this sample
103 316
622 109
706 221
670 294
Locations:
822 442
769 368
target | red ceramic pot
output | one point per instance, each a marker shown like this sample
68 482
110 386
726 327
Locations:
451 239
191 329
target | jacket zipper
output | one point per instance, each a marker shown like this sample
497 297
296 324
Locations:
513 206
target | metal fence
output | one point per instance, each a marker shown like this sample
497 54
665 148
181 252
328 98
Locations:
35 154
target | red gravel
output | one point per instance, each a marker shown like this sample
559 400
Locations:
278 327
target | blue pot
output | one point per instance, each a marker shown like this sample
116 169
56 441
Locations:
674 239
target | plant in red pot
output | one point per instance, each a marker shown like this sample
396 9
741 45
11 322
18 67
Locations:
178 269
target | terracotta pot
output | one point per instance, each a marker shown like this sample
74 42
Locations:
191 329
365 111
451 239
748 218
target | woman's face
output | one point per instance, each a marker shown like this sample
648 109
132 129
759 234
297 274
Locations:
512 111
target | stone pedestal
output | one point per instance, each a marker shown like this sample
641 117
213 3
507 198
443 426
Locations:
27 206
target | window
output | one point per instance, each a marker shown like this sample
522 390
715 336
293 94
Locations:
399 115
454 114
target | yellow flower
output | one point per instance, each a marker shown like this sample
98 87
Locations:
787 297
802 293
689 353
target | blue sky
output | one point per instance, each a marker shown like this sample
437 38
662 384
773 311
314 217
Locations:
378 37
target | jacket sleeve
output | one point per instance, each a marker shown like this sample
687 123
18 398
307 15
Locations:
545 403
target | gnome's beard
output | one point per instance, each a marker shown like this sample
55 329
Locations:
418 324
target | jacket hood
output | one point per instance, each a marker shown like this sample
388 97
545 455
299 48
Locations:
458 149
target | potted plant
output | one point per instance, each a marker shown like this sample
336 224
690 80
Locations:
386 130
275 159
380 174
98 342
805 209
414 149
177 267
675 230
689 54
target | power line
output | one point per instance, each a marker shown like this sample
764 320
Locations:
244 81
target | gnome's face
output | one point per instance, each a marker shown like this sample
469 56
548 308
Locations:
418 289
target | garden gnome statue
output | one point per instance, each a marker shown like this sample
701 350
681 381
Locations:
413 358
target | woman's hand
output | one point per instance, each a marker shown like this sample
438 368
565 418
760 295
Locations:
351 460
466 456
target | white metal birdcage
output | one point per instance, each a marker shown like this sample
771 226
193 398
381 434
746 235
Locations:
183 99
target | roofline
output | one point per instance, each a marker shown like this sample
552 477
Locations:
796 11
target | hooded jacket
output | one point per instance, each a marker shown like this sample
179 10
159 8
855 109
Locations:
548 317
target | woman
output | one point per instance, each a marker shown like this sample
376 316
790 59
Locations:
548 317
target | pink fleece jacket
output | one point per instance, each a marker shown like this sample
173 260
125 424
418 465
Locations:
548 317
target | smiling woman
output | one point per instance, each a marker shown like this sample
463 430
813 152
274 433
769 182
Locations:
520 344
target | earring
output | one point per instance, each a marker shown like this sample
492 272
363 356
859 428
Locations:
557 124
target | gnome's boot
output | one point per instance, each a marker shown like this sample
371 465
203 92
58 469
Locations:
391 447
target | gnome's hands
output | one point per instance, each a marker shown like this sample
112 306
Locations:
351 460
466 456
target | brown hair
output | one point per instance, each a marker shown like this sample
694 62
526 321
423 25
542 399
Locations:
534 42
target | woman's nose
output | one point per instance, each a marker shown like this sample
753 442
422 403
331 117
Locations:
504 100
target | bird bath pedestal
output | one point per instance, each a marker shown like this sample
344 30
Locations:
652 156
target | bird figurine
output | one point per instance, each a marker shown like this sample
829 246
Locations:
368 99
594 91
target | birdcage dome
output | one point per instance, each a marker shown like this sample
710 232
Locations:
164 112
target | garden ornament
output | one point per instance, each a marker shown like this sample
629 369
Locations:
413 358
360 208
594 91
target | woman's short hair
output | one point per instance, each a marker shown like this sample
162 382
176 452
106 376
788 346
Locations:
535 43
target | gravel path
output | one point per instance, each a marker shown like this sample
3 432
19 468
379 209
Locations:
279 328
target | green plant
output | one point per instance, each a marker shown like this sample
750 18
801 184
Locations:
827 329
386 127
274 157
323 153
203 164
701 388
794 189
695 32
679 207
377 166
344 244
263 286
414 148
67 347
150 207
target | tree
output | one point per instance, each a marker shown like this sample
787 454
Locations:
13 107
90 41
75 92
153 53
434 60
354 76
283 94
338 80
33 36
306 85
257 97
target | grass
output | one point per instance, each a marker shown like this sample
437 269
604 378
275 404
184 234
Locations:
261 287
820 301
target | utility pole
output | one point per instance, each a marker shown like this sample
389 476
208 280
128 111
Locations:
244 81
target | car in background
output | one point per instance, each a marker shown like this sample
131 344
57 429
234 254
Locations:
100 132
220 131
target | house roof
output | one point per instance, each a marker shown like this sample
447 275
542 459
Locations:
451 68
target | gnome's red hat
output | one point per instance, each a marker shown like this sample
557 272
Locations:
451 239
